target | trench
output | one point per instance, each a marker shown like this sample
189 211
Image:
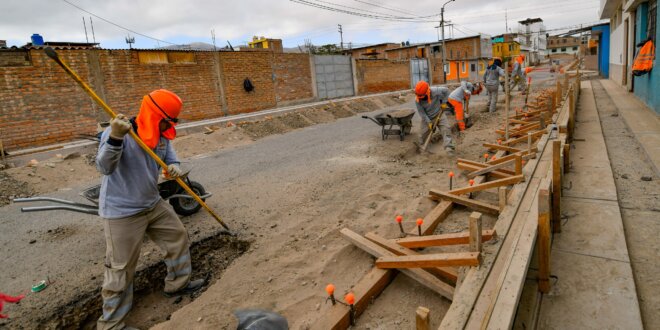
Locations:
210 257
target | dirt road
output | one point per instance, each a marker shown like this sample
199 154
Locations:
287 194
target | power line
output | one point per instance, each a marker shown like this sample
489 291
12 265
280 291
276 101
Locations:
388 8
119 26
364 13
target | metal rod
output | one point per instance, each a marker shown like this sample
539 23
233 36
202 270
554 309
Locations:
50 199
52 54
60 207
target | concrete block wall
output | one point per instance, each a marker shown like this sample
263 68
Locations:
334 76
376 76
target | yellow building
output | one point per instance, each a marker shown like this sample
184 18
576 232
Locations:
506 50
274 45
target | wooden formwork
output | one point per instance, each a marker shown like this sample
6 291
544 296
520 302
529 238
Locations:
488 295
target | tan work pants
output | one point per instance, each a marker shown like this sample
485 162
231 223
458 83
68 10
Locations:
123 238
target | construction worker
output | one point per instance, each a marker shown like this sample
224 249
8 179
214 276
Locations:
492 83
131 206
517 74
430 101
457 97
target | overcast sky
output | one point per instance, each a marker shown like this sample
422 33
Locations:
185 21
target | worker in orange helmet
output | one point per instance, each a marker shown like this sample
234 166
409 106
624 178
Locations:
518 74
429 102
131 206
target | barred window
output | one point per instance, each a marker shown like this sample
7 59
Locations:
652 21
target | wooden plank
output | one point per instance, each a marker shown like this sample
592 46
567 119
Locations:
521 131
535 135
527 154
556 186
501 147
518 163
418 275
471 203
495 174
429 260
370 286
475 232
461 161
448 273
487 185
491 168
414 242
431 221
422 318
544 239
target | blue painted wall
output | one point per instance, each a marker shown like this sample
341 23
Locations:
603 50
647 87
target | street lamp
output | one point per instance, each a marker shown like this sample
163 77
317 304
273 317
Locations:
444 49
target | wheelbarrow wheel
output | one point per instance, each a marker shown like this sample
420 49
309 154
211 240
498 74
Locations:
188 206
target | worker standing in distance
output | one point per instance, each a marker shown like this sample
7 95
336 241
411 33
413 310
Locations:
458 97
517 75
131 206
492 83
429 102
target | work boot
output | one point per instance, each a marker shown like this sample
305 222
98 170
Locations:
192 286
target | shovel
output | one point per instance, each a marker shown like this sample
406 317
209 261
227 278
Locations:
433 127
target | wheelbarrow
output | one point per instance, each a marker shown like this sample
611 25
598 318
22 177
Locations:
387 120
169 190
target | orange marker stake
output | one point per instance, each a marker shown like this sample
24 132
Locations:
399 220
451 178
471 182
499 141
485 157
493 158
350 300
330 289
420 221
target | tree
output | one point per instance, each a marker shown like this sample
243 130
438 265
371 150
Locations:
329 49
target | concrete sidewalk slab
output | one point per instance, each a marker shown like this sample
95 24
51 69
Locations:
589 152
642 121
606 240
590 293
590 182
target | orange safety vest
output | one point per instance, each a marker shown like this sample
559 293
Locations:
644 61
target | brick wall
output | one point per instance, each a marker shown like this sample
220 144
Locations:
293 77
376 76
257 66
40 104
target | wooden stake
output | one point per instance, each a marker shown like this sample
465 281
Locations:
571 114
519 165
558 95
502 197
429 260
567 153
2 151
475 232
543 243
556 186
422 317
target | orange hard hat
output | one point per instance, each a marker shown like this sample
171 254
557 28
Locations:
156 106
422 89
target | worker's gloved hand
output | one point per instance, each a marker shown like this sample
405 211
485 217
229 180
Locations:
430 126
119 126
461 126
174 170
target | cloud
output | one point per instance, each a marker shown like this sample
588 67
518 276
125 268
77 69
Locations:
184 21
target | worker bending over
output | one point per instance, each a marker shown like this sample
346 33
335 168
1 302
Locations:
131 206
492 83
430 101
458 97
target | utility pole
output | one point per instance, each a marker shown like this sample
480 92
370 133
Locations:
85 27
444 49
341 37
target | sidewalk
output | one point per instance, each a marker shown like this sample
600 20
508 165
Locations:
642 121
595 288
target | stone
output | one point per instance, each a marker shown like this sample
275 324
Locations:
72 155
646 178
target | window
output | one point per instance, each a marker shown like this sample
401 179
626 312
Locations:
652 19
563 40
510 47
563 49
575 48
473 67
554 50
